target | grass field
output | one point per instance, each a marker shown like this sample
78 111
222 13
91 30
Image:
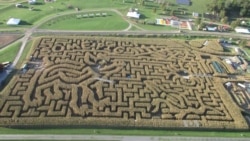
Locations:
41 9
9 53
125 132
110 22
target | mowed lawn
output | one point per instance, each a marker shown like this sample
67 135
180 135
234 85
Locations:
111 21
9 53
41 9
148 132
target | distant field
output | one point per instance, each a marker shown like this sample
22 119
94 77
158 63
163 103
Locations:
110 22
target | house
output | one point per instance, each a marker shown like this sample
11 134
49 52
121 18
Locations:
183 2
13 21
242 30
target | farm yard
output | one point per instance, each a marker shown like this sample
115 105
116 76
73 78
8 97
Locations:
121 82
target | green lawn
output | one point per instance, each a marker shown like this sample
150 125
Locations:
125 132
9 53
110 22
42 9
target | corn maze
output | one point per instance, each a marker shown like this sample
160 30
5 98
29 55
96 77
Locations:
97 81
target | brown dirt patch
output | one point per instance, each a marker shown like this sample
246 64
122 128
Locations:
6 39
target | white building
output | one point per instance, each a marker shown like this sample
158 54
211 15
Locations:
13 21
133 14
31 1
242 30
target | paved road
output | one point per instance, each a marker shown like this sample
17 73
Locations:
113 138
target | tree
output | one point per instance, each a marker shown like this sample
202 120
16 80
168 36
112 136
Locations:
243 12
224 20
154 10
163 6
172 12
198 21
202 25
243 43
222 13
235 23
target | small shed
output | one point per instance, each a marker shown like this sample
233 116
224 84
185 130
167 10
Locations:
133 15
13 21
183 2
195 14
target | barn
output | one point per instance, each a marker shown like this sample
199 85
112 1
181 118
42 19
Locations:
183 2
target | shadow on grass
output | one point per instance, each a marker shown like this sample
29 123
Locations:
142 16
38 3
24 23
36 10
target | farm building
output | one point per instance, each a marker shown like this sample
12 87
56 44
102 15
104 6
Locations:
211 28
13 21
183 2
163 21
174 23
32 1
195 15
242 30
133 15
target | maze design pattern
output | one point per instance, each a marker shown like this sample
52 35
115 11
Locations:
88 77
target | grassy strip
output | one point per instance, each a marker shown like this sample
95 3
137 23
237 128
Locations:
125 132
9 53
26 51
